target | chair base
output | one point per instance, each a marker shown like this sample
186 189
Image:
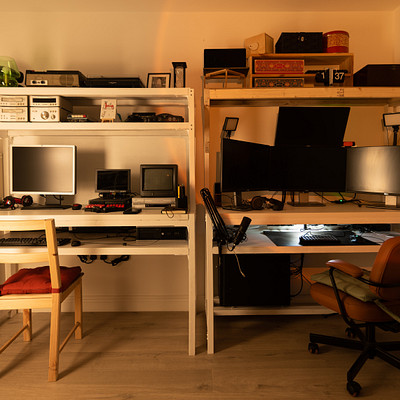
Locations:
369 349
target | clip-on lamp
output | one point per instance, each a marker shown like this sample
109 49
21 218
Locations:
393 120
230 126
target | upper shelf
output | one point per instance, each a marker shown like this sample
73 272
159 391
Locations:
304 96
84 95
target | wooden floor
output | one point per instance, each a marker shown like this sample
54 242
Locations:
144 356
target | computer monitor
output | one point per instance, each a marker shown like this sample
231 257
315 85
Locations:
159 180
307 169
43 169
373 169
244 167
116 181
311 126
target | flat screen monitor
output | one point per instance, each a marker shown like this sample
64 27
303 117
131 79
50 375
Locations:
374 169
308 169
244 166
311 126
43 169
158 180
113 180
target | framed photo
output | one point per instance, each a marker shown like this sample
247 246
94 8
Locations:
158 80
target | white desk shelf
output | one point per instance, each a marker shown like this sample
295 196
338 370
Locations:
164 136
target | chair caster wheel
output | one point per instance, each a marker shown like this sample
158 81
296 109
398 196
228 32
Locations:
350 333
353 388
313 348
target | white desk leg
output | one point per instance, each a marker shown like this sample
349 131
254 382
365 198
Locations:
10 269
192 288
209 289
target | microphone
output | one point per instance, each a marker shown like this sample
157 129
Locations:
239 235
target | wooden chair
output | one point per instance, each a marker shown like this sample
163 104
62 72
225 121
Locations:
366 301
41 287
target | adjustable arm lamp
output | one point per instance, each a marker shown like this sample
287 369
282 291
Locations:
230 126
393 120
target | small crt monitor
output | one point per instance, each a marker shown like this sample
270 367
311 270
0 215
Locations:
158 180
113 181
43 169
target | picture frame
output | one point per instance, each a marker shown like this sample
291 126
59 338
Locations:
162 80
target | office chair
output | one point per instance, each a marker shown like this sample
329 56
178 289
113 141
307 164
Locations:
370 298
41 287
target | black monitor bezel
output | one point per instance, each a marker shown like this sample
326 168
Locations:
126 171
173 192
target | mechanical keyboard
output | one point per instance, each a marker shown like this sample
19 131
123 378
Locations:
318 239
30 241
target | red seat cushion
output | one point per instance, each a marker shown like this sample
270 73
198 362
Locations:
37 280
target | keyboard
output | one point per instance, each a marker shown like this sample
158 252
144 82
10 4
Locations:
30 241
318 239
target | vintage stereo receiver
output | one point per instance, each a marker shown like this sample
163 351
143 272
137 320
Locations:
13 101
54 78
49 108
17 114
48 114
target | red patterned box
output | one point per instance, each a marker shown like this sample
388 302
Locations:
268 66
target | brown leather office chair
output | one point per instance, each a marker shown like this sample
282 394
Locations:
41 287
365 301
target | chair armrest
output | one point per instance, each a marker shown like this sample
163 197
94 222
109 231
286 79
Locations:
346 267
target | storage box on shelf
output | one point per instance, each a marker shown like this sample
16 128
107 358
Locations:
288 72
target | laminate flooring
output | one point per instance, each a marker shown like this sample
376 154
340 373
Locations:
143 356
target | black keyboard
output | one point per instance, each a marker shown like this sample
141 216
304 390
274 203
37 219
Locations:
318 239
30 241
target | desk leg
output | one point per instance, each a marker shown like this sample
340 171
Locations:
209 289
192 289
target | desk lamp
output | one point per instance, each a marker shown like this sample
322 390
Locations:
230 126
393 120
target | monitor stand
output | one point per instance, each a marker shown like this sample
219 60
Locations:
304 201
237 203
48 206
390 203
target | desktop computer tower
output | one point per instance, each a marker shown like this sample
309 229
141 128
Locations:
266 281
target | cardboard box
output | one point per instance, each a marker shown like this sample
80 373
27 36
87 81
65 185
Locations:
259 44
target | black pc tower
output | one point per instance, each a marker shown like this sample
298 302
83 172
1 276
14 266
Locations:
266 281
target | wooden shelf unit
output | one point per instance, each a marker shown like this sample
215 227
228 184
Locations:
331 214
88 100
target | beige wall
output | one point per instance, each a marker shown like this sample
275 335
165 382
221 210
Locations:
131 43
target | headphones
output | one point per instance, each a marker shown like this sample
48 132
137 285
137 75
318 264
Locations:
260 202
10 201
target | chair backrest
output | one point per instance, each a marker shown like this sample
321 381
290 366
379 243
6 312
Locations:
386 270
47 254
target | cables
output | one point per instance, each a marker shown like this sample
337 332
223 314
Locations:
90 259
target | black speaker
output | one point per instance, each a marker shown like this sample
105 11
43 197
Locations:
266 280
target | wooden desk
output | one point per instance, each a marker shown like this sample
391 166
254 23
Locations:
73 218
258 243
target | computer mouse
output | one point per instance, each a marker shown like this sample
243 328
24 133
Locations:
76 206
75 243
